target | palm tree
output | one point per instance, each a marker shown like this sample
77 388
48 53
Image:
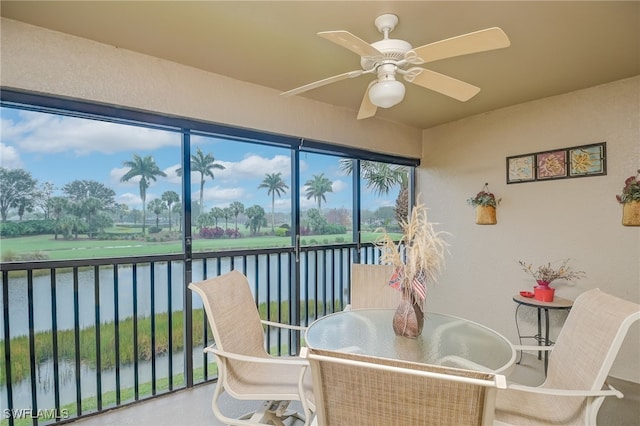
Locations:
402 202
226 215
236 208
216 213
157 206
255 219
148 170
170 197
58 206
317 187
203 164
121 210
380 177
90 207
177 209
275 186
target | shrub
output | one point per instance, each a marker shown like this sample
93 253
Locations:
9 229
333 228
154 229
34 255
210 233
305 230
232 233
11 256
26 227
283 232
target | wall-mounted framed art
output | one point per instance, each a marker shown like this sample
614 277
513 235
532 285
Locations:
551 164
521 168
572 162
587 160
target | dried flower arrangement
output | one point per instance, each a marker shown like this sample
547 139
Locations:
547 274
418 256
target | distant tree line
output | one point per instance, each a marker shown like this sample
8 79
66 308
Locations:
89 207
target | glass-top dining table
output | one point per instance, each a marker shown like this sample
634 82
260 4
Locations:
445 340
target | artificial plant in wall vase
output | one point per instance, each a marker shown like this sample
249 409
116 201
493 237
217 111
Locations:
485 203
630 200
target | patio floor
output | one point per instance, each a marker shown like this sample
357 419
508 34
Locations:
193 406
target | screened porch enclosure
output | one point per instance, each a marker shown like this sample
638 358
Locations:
122 209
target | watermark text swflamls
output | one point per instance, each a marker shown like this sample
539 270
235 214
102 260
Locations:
40 414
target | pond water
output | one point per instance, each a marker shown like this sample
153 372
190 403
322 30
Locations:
45 386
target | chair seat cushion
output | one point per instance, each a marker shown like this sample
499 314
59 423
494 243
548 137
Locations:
522 408
262 381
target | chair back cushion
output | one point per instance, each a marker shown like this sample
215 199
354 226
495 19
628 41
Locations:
370 287
232 313
366 395
589 341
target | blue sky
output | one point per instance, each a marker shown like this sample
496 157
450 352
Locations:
60 149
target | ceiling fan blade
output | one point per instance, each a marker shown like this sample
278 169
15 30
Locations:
324 82
351 42
441 83
367 109
479 41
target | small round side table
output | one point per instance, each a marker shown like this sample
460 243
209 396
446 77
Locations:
558 303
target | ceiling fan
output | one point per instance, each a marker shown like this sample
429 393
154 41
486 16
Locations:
389 57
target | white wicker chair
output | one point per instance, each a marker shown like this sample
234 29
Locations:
245 370
579 364
370 287
360 390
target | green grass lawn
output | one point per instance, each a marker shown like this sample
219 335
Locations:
61 249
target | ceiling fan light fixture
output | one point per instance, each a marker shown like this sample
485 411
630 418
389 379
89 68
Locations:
386 93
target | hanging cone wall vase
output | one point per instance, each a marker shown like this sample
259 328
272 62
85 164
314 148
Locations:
631 213
486 215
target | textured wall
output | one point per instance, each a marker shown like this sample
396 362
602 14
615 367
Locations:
537 221
49 62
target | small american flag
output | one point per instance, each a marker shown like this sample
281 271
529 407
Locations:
396 279
419 284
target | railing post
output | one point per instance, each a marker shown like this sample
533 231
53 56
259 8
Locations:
188 256
7 343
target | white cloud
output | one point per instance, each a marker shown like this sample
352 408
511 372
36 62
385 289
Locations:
172 175
44 133
254 166
308 204
130 199
282 204
217 195
338 185
9 157
116 174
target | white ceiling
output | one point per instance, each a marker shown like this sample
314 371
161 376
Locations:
556 47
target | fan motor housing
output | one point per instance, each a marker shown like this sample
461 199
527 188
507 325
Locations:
391 49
